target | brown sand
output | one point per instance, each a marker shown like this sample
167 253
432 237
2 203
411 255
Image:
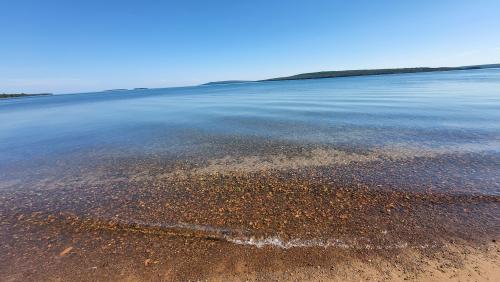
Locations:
321 216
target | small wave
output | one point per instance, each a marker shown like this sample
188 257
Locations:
329 243
234 236
242 237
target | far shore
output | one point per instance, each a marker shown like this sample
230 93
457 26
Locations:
359 72
20 95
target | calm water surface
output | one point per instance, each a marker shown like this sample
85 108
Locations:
458 111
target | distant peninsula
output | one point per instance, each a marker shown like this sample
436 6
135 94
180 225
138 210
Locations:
117 89
346 73
226 82
20 95
363 72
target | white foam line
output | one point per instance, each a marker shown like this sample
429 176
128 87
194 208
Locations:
299 243
276 241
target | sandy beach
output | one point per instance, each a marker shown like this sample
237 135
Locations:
303 214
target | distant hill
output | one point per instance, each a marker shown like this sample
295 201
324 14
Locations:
19 95
226 82
346 73
488 66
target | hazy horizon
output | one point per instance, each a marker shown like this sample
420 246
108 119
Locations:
63 47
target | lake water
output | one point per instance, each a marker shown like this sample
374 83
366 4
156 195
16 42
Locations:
366 163
455 111
441 108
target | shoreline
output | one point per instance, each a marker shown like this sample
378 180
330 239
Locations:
22 95
73 253
263 219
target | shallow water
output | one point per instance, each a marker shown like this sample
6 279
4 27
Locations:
374 162
447 112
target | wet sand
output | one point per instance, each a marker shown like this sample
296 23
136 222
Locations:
293 213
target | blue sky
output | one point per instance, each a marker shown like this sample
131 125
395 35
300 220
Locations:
76 46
